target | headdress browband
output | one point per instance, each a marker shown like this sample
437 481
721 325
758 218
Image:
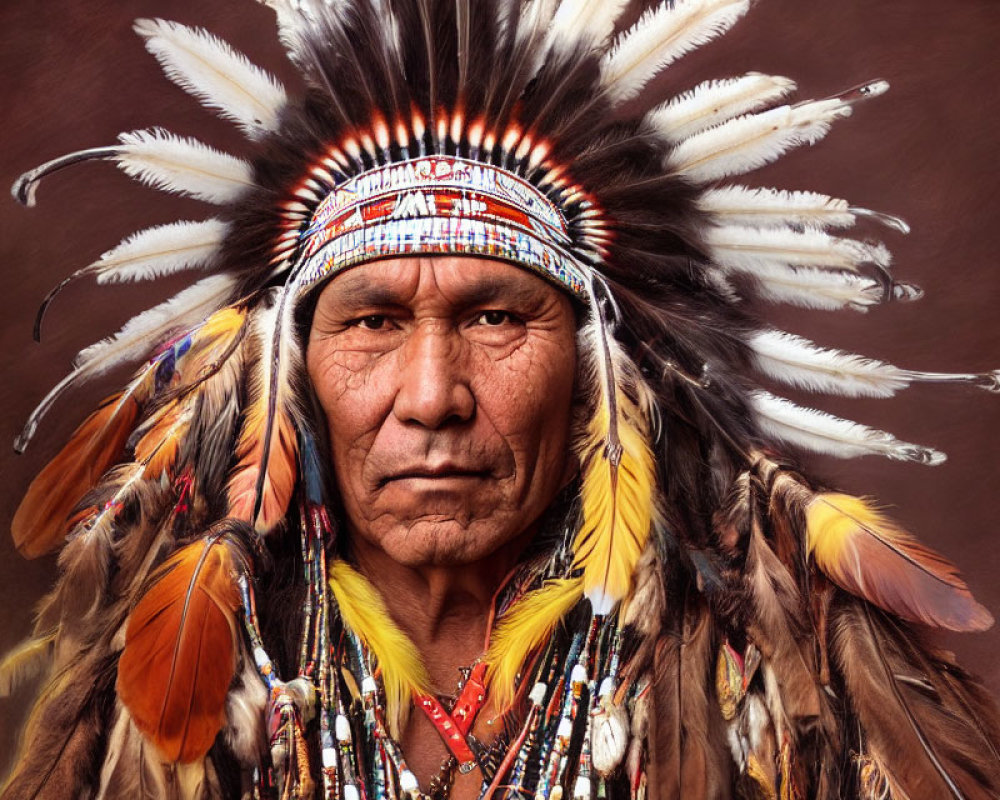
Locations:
439 204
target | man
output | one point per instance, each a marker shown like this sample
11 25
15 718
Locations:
448 479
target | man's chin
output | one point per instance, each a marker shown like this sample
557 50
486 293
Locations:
440 541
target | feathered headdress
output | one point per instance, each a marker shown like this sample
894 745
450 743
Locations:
508 130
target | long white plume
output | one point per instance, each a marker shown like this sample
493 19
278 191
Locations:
589 22
661 36
165 161
776 208
801 363
747 249
162 250
217 75
713 102
824 433
825 289
748 142
184 310
136 338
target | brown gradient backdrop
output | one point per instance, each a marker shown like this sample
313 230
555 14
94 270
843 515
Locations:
73 75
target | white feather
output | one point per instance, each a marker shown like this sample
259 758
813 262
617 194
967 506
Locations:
713 102
660 37
820 432
161 250
588 22
246 704
817 288
745 249
217 75
742 205
137 337
165 161
184 310
750 141
799 362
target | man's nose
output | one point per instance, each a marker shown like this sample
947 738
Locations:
433 387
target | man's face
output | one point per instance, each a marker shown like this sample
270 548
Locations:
447 384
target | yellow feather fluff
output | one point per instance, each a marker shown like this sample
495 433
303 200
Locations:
364 612
864 552
522 631
617 502
26 661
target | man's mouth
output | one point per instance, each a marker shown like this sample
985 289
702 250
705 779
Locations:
440 472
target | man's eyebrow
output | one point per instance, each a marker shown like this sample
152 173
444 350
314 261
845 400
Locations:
491 288
364 293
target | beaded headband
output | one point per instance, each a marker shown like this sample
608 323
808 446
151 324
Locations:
439 204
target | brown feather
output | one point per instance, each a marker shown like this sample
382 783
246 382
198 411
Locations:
776 628
862 551
180 651
926 742
40 523
688 756
60 748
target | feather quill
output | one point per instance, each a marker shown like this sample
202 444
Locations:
217 75
713 102
263 481
365 613
748 142
522 630
661 36
185 166
180 650
865 553
745 249
617 467
184 310
777 208
820 432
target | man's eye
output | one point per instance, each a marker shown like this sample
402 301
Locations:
494 318
373 322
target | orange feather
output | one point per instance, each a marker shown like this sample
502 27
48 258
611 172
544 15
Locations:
862 551
40 522
180 651
263 481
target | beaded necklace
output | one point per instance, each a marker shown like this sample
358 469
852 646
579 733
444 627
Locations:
567 732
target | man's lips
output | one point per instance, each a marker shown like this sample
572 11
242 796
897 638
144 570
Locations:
439 472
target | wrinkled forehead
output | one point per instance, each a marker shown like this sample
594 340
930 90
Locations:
458 281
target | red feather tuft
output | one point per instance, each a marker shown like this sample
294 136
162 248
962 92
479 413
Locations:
180 651
41 521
